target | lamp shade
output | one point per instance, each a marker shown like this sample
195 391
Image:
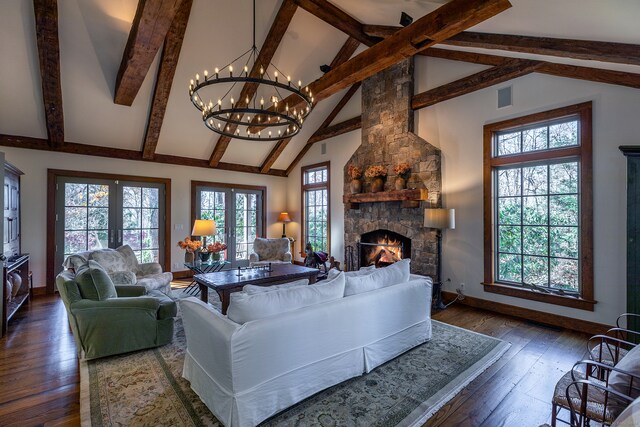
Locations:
284 217
204 227
440 218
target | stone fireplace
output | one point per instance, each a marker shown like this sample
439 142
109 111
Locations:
388 139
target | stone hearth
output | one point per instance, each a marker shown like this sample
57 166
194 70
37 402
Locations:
388 139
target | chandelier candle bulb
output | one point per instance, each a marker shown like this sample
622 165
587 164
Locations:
216 70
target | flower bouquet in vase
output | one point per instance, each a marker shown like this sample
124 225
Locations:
355 173
190 247
403 171
376 173
215 249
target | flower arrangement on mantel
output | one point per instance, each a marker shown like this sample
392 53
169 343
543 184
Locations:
354 172
376 171
377 174
402 171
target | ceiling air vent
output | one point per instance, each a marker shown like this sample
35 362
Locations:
505 98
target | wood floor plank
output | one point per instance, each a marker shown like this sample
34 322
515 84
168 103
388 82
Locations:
40 381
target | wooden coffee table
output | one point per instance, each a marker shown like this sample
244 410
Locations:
226 282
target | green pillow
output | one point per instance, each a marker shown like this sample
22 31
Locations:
94 282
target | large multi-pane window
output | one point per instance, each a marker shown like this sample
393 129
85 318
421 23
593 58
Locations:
315 206
538 204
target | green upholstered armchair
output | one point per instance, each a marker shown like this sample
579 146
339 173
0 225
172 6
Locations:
133 320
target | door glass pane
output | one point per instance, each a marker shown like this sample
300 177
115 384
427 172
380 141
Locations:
212 206
85 217
140 212
245 229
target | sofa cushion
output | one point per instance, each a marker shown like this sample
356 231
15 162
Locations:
254 289
94 282
123 277
129 256
244 307
630 363
379 278
109 259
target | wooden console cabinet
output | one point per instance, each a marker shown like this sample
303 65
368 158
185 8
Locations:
16 262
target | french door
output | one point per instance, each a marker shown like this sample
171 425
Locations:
93 213
238 213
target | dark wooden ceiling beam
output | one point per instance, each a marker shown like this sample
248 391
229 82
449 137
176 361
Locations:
621 53
598 75
119 153
343 55
509 70
46 16
148 31
162 90
444 22
274 154
337 18
274 37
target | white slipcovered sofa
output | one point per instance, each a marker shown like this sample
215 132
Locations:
247 372
123 268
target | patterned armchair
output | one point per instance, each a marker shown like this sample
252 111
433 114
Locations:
124 269
274 251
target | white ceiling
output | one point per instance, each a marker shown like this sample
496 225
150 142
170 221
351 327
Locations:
93 34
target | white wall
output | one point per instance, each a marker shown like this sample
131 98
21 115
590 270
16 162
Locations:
456 127
34 198
339 151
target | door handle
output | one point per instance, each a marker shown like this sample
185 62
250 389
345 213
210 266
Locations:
112 237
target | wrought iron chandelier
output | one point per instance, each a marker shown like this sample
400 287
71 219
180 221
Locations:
264 115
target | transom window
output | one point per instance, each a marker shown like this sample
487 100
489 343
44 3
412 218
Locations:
538 207
315 206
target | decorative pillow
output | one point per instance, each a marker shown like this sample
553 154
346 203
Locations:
273 249
74 262
244 308
254 289
619 381
363 270
109 259
94 282
129 256
380 278
123 277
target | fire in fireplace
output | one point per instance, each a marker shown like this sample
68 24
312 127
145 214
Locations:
382 248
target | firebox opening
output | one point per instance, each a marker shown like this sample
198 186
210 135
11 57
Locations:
382 248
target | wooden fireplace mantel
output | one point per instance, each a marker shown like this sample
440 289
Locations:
410 198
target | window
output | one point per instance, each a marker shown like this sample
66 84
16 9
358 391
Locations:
238 211
538 207
315 206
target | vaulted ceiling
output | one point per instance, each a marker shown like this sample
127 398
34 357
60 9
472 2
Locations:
161 122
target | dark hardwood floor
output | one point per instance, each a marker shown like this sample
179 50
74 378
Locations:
39 378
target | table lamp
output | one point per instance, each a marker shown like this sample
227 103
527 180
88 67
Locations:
440 219
203 228
284 219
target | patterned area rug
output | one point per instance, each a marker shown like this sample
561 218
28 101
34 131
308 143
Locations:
146 388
